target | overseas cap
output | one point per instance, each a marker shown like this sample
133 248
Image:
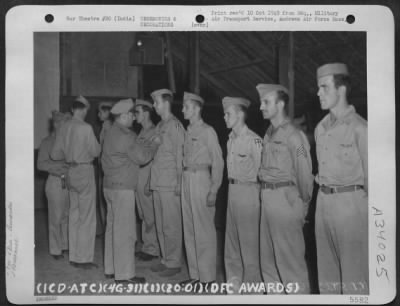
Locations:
330 69
143 103
105 103
228 101
122 106
264 89
160 92
192 96
83 100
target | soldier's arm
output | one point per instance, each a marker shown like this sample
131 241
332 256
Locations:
45 163
361 134
178 138
57 152
217 162
300 153
140 153
93 144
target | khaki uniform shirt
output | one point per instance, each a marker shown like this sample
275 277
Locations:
75 142
342 150
45 163
122 156
286 158
201 147
244 155
166 169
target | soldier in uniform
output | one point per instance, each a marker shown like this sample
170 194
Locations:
286 189
242 260
104 117
56 191
166 177
341 221
202 176
144 197
121 159
77 144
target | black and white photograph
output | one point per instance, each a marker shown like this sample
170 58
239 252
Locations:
202 163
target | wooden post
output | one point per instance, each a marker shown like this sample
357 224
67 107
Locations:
170 63
194 62
286 70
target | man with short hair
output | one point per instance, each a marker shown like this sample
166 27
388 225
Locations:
77 144
286 189
166 179
242 260
144 197
341 221
202 176
56 191
121 159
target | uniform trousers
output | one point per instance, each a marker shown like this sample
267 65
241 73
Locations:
199 230
341 230
282 245
242 258
82 213
120 236
168 214
146 214
58 210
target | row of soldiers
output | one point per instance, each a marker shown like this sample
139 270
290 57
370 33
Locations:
174 175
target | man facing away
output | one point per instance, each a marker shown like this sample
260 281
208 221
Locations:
144 197
56 191
166 179
242 259
202 176
286 189
121 159
77 144
341 220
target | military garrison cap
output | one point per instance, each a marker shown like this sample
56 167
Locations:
264 89
228 101
143 103
83 100
192 96
160 92
332 68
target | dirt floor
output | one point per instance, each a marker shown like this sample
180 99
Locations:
49 270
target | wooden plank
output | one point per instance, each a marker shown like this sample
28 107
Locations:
170 64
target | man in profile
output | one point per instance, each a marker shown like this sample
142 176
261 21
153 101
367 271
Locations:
166 180
77 145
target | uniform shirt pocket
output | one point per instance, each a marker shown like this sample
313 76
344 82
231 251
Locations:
346 152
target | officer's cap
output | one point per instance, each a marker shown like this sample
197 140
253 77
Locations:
83 100
143 103
192 96
265 89
105 104
228 101
331 69
122 107
160 92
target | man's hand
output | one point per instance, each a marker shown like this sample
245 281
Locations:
156 139
211 199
